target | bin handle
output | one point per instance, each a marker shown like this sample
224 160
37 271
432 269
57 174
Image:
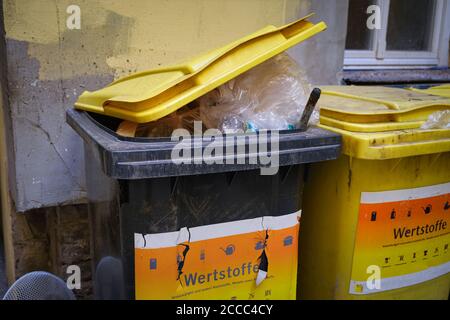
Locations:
309 108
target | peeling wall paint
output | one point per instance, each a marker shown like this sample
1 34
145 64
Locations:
128 36
49 65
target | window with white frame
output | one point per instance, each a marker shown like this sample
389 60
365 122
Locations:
407 33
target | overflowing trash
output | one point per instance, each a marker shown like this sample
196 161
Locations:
181 119
438 120
270 96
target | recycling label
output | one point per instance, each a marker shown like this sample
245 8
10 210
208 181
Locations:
405 234
245 259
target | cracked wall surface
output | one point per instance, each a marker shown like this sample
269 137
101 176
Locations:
49 66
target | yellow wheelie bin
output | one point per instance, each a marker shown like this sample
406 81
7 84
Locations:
442 90
376 221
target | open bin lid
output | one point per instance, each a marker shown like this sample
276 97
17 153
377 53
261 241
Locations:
382 122
376 108
150 95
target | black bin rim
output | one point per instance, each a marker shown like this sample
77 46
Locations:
141 158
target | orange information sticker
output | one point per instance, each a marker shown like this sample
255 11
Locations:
246 259
403 236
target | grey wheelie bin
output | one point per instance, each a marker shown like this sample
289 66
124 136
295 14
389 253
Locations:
217 229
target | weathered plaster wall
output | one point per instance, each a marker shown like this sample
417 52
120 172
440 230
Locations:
50 65
322 56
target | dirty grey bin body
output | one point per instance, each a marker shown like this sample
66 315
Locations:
134 187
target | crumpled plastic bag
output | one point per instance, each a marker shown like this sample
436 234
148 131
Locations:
438 120
270 96
182 118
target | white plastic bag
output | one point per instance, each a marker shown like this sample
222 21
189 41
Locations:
182 118
438 120
272 95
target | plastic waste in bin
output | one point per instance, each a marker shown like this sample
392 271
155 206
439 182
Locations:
376 221
163 230
150 95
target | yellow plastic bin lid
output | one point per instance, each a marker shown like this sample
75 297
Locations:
151 95
382 122
442 90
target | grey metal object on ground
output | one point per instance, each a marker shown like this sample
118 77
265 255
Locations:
39 285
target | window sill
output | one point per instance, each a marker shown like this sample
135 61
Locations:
417 77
